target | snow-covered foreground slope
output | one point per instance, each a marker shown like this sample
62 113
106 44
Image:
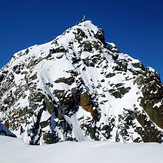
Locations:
15 151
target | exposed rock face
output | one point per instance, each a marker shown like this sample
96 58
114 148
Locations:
85 102
152 90
79 87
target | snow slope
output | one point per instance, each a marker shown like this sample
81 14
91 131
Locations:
15 151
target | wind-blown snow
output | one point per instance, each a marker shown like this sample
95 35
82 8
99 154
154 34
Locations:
15 151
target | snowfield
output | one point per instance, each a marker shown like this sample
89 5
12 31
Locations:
15 151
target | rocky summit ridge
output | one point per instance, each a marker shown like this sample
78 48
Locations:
80 87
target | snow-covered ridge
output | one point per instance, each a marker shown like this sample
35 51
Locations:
80 87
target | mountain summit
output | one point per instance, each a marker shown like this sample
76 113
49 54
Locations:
80 87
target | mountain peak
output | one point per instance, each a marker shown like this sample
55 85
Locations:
79 87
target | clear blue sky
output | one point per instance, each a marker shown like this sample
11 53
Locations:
135 26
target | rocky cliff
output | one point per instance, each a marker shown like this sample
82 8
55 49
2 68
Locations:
80 87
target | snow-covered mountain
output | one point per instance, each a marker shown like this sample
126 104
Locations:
80 87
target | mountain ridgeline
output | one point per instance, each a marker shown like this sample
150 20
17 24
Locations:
80 87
